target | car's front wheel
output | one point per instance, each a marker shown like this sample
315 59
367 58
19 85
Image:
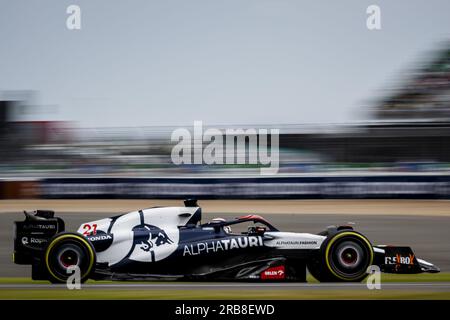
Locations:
66 254
343 257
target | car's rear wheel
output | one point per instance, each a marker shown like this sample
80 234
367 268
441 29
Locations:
65 253
343 257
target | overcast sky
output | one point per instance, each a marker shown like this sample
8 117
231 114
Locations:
143 63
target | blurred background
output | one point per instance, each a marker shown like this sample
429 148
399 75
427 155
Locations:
405 143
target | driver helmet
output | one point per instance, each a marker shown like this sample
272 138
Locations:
227 229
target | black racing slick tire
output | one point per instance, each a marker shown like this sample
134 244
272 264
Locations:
66 250
343 257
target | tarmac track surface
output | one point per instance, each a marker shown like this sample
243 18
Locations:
431 286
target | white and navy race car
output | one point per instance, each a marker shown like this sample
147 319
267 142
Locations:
172 243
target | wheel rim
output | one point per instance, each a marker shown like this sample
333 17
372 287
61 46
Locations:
68 257
349 258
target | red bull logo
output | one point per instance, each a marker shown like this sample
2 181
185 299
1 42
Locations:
147 237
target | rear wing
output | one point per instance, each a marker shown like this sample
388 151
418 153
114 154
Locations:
32 235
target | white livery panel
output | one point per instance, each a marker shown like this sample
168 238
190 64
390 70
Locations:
291 240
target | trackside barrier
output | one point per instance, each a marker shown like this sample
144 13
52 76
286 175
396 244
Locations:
20 189
363 187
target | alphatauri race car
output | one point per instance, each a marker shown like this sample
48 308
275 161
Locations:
172 243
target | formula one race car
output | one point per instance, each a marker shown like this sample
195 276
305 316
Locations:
171 243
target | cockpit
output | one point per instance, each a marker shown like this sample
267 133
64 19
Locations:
245 225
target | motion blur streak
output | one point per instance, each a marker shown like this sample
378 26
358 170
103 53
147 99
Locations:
409 133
